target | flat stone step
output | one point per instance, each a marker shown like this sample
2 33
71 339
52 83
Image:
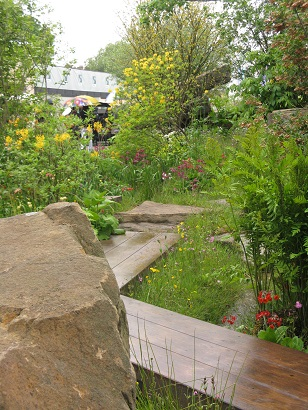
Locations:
130 254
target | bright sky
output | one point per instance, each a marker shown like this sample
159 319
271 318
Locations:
88 25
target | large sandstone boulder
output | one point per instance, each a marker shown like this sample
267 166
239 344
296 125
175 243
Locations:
64 341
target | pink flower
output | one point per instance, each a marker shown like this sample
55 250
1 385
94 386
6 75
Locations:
298 305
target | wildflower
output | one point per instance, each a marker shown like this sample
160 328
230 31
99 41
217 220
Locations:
175 286
264 297
298 305
154 270
8 141
140 279
62 137
264 313
165 176
63 198
229 320
94 154
40 142
274 320
212 239
24 133
97 126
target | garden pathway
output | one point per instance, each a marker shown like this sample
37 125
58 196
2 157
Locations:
190 351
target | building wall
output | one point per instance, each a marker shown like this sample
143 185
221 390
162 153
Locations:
68 83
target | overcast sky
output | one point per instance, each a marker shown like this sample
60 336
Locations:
88 25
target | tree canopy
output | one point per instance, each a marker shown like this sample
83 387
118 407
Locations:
113 59
26 49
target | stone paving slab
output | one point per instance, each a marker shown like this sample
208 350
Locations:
154 216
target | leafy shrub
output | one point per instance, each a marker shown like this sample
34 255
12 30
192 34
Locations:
271 179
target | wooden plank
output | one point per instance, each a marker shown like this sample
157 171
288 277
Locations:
248 395
184 349
269 373
128 263
216 334
125 249
116 240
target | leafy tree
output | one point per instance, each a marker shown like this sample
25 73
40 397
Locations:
164 91
290 20
113 59
246 26
189 29
26 50
153 92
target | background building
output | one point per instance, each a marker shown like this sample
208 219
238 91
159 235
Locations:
69 82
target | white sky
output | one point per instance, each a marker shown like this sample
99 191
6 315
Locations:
88 25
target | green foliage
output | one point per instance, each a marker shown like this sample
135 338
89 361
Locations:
100 210
190 30
113 59
26 50
290 20
201 277
279 336
41 161
157 9
153 95
270 173
259 54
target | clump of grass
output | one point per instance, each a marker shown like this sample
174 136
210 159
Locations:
156 391
202 276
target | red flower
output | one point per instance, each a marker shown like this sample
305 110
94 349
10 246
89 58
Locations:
230 320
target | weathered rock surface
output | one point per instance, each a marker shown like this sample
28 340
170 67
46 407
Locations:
64 340
213 78
286 116
155 217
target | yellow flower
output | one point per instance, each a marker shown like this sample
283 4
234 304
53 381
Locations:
175 286
97 126
40 142
180 249
8 140
62 137
94 154
19 143
24 133
154 270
